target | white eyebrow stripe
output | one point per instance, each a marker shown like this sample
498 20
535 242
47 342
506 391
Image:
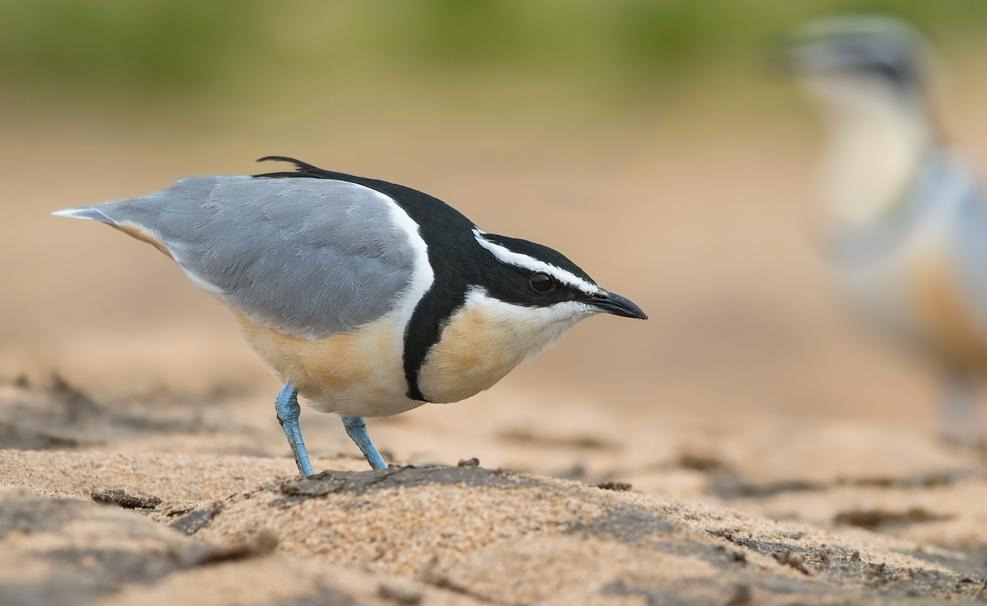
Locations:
508 256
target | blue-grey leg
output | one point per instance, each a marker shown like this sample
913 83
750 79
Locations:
288 411
960 413
356 429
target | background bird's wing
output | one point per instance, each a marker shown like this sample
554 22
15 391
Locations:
968 239
947 280
308 257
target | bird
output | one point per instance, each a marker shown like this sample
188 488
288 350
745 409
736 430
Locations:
367 298
904 217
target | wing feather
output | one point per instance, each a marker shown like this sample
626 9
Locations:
308 257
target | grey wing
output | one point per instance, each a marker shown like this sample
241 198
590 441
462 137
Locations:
308 257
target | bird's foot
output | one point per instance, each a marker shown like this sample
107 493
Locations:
356 429
288 412
961 421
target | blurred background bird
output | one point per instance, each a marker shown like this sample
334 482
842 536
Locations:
904 219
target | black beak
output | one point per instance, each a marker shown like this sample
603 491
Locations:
612 303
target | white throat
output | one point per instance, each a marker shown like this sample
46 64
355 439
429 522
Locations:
877 139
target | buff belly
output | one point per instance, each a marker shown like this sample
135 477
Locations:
485 340
359 373
471 357
947 309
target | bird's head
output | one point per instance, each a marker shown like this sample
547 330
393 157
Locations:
849 64
545 282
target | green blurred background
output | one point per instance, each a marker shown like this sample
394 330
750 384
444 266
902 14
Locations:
200 56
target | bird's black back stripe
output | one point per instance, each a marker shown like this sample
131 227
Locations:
451 247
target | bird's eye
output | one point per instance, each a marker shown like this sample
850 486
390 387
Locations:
541 282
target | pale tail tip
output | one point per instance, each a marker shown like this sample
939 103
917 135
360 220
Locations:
87 212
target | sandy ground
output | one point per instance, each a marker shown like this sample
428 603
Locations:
775 455
149 501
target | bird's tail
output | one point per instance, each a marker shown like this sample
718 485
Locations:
90 213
